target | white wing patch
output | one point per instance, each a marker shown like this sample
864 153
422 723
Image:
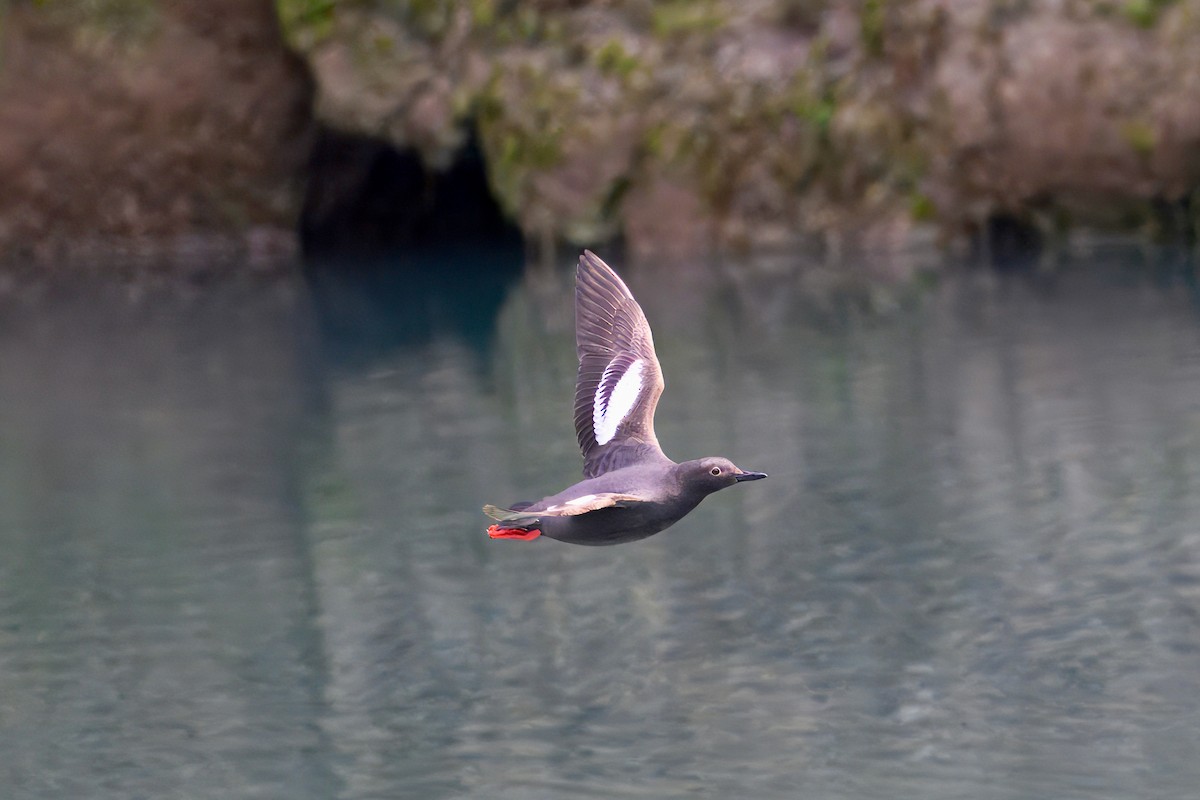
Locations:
610 408
590 502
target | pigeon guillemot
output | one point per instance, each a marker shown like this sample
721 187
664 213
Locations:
631 489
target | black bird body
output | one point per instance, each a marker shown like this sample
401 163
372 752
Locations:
664 496
631 489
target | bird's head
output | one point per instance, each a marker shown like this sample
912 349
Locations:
714 473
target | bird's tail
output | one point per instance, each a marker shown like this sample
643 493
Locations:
511 515
514 523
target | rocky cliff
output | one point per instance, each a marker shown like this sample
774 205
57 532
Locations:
675 124
741 122
156 127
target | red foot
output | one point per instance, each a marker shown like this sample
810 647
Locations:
496 532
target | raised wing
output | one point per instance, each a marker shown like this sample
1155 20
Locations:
619 378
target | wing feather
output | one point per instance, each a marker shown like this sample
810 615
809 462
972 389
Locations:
567 508
613 339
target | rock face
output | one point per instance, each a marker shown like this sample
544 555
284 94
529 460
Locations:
165 124
1090 111
688 123
678 125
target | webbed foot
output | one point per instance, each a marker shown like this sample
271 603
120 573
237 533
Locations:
523 534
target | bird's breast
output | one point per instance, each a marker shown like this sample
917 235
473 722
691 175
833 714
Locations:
615 525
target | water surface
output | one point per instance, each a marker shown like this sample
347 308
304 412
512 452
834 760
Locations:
242 552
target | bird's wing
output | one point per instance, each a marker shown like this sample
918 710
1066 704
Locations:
567 508
619 378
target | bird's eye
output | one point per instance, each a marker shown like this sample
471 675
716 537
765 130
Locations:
715 471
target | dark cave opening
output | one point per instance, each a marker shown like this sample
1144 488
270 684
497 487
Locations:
396 253
367 201
1008 243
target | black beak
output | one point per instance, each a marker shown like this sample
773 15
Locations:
749 476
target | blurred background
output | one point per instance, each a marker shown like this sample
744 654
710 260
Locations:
286 295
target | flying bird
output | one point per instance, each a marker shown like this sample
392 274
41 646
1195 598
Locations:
630 490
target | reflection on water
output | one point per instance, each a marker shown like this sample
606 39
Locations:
239 563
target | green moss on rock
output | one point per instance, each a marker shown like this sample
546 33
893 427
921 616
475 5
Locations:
1144 13
872 26
772 114
1140 135
613 59
310 19
686 17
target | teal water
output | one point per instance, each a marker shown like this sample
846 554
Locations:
241 552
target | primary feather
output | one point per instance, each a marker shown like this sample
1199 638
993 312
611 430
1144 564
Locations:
619 380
